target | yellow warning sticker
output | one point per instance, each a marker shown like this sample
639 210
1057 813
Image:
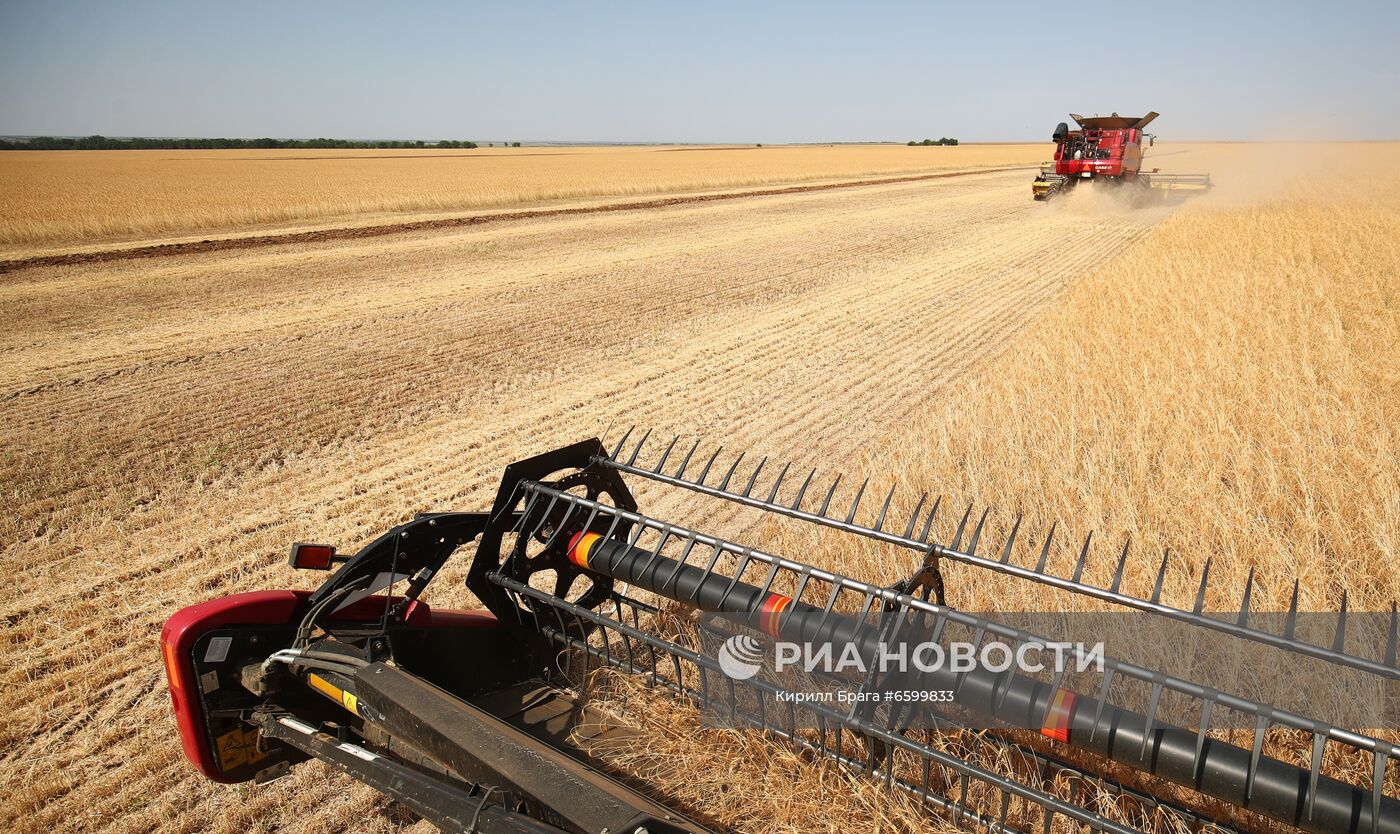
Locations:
238 748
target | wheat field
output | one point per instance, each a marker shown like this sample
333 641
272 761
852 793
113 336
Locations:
57 198
1218 376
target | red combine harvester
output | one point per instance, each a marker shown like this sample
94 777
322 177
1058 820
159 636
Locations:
1106 148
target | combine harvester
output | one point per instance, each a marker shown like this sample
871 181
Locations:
1108 149
478 721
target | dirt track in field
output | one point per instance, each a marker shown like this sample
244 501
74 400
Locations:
171 424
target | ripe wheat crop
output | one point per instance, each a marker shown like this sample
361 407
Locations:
71 197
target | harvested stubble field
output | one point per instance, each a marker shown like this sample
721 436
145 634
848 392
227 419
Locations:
1219 377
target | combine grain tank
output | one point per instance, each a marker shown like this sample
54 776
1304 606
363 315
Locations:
1108 148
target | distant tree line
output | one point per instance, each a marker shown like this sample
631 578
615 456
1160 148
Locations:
104 143
943 141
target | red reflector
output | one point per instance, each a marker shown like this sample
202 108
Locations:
312 556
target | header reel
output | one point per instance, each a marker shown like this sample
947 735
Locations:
458 714
586 524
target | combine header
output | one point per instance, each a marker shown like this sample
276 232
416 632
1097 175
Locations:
479 721
1109 149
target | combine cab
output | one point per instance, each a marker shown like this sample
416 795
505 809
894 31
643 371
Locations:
1106 148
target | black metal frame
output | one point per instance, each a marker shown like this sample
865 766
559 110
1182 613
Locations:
444 802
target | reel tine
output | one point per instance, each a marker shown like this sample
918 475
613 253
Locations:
618 448
709 463
613 525
715 554
686 460
663 536
666 454
1340 640
1010 540
806 576
914 516
773 493
829 607
1381 757
588 523
1261 724
977 532
681 560
753 479
724 484
1045 549
529 505
826 502
1319 746
1207 707
1102 700
1244 601
962 525
802 491
1291 623
1390 646
635 536
1122 562
637 451
745 559
880 520
928 523
1161 576
1201 591
1151 718
1083 557
855 505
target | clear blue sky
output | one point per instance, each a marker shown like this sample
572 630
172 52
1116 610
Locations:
697 72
